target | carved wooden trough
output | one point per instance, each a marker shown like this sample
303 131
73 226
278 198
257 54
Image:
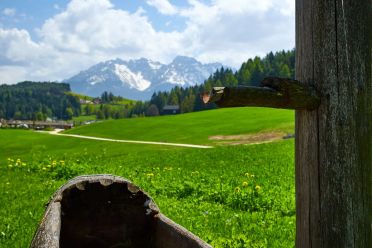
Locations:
108 211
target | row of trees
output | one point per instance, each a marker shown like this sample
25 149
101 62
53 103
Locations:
37 101
251 73
107 111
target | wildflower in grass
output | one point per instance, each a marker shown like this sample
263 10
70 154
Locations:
150 174
18 160
10 165
245 184
44 168
237 190
24 164
258 187
247 174
54 163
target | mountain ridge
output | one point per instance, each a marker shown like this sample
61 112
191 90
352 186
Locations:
139 78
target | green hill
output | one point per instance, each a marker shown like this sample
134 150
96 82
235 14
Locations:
193 128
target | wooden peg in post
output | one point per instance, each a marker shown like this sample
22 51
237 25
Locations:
273 92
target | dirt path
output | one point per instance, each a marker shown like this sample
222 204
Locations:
249 139
57 132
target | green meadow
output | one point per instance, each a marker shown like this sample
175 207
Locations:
230 196
193 128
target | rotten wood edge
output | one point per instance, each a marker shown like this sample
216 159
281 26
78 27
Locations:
48 232
273 92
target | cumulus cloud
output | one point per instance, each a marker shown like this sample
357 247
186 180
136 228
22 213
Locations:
17 47
163 6
232 31
9 12
90 31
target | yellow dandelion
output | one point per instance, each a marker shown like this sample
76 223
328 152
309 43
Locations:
237 190
258 187
245 184
24 164
19 160
247 174
10 165
150 174
44 168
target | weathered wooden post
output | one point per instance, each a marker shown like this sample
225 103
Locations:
333 127
334 142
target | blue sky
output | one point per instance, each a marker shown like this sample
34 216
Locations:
54 39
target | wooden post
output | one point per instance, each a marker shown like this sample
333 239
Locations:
334 142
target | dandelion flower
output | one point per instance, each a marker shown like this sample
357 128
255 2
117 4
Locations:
150 174
245 184
237 190
258 187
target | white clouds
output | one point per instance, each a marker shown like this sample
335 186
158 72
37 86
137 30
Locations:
17 47
90 31
9 12
163 6
232 31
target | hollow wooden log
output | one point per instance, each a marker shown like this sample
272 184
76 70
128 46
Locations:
108 211
273 92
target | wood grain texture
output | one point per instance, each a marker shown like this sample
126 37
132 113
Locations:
333 146
108 211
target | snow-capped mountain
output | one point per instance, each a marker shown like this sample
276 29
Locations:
139 79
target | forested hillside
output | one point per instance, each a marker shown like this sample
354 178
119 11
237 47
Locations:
251 72
37 101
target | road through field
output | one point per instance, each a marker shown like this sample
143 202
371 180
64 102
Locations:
58 132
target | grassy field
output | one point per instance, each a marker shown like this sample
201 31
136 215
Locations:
230 196
83 118
193 128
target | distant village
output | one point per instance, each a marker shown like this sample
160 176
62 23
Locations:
37 125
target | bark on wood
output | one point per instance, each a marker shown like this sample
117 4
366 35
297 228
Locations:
273 92
108 211
334 142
